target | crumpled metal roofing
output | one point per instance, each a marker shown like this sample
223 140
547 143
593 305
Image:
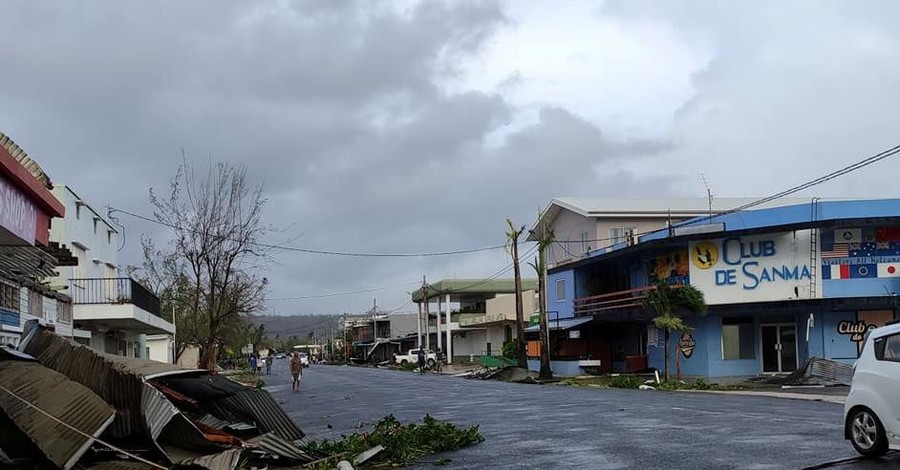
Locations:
233 402
118 380
58 396
226 460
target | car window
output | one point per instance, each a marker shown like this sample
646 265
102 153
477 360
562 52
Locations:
888 348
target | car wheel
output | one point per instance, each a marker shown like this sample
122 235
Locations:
404 362
867 434
431 363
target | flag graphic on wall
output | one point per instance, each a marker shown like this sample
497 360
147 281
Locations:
848 235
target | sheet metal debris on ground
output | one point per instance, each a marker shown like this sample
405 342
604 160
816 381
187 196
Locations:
818 371
167 416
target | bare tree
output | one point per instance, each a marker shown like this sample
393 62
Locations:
512 243
208 272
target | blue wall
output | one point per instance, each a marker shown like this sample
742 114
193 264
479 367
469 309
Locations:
870 287
566 308
9 318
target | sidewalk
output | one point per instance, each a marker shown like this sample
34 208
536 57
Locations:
793 394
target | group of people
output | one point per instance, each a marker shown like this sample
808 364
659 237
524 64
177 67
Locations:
257 362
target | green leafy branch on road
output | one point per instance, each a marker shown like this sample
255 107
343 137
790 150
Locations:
404 444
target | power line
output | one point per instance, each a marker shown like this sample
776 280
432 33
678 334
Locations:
339 294
328 252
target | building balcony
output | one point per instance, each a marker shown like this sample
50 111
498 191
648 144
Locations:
621 300
110 304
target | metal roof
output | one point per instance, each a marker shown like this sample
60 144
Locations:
473 287
118 380
563 324
57 396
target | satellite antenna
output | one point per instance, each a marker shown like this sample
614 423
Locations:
709 195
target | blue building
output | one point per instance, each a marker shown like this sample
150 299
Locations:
783 284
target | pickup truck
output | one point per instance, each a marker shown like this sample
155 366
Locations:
412 357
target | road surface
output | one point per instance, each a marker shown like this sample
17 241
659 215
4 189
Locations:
531 426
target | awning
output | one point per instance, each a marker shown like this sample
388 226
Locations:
563 324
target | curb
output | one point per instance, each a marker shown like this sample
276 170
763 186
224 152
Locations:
839 400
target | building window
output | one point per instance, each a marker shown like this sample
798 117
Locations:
737 338
35 303
63 312
585 248
888 348
560 290
9 297
619 234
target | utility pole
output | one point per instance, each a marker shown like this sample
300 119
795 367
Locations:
513 240
427 318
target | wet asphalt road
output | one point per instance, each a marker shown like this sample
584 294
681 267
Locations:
530 426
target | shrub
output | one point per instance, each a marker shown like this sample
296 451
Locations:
626 381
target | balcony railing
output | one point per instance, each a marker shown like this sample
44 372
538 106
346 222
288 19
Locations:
625 299
106 291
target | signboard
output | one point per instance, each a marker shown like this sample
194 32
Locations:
687 344
752 269
17 213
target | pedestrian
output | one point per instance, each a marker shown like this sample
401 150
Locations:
259 364
421 359
296 371
269 364
253 364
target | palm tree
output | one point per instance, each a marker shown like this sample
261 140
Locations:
540 267
512 245
669 302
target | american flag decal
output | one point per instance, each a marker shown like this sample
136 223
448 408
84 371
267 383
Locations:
838 250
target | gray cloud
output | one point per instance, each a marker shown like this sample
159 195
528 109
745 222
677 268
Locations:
335 107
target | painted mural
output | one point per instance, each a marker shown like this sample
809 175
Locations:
673 268
861 253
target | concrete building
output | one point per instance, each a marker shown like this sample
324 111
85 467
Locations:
464 327
27 256
376 336
112 313
783 285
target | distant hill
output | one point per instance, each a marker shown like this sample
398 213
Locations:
298 326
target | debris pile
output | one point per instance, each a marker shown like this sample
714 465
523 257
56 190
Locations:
818 371
67 406
505 374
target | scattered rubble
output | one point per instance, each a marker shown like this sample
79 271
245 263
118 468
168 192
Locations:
70 407
505 374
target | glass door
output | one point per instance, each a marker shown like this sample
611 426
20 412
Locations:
787 347
770 348
779 348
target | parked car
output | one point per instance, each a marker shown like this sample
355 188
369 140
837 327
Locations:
412 357
872 409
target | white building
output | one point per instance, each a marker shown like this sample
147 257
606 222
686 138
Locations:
112 314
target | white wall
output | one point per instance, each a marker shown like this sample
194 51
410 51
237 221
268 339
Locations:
160 347
48 313
99 242
472 344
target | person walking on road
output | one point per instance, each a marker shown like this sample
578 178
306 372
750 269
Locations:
253 364
296 371
269 363
421 359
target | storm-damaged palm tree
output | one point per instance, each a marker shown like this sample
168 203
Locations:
669 303
512 245
544 240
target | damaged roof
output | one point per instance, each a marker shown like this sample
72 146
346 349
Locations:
24 381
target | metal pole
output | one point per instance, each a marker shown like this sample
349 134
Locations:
449 351
174 333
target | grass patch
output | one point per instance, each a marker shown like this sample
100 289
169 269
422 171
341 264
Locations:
626 381
247 379
403 444
698 384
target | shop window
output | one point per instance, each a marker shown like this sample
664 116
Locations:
888 348
560 290
737 338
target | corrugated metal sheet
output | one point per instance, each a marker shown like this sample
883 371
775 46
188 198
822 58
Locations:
231 401
158 410
118 380
58 396
284 449
227 460
121 465
831 371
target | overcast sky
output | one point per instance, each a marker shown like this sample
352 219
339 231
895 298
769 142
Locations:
405 126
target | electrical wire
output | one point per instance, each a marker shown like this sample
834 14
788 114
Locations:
84 434
340 294
327 252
